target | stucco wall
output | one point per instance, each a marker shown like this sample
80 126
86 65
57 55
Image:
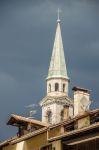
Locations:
18 146
37 142
33 143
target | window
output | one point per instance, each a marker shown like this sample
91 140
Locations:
56 87
49 88
63 87
49 147
49 116
62 115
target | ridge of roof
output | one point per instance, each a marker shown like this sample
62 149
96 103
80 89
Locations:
24 119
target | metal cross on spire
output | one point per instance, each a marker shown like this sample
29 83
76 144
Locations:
58 15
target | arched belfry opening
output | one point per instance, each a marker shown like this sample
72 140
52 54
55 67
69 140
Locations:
64 86
56 87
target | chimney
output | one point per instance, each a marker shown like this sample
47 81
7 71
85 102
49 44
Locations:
81 100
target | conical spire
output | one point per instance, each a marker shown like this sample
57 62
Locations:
57 66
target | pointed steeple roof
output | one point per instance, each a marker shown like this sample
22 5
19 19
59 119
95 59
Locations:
57 66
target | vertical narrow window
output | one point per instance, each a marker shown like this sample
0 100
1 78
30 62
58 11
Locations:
48 147
49 116
62 115
49 88
63 87
56 87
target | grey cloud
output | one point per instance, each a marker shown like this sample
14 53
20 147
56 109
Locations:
27 30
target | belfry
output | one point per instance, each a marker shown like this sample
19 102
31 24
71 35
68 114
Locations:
57 106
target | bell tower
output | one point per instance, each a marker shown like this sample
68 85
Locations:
57 106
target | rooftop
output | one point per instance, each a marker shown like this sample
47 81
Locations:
94 123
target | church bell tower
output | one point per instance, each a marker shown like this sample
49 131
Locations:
57 106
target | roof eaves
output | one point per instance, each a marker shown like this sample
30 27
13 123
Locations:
75 118
74 132
24 119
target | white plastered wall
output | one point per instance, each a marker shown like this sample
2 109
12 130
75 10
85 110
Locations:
55 109
56 112
78 95
60 82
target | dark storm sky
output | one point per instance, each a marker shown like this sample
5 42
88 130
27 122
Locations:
27 29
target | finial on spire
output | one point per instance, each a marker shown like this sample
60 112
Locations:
58 15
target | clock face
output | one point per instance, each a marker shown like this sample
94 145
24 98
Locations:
84 103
